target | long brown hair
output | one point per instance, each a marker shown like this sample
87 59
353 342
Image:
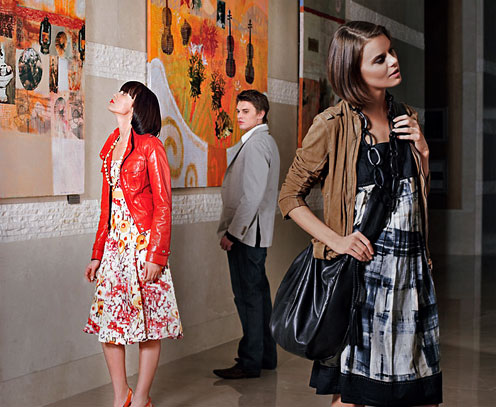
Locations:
345 58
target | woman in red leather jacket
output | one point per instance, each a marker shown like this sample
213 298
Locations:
134 298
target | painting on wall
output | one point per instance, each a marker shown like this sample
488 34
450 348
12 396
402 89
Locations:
201 54
41 97
319 19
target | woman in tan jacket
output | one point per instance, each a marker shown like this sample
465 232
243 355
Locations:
350 148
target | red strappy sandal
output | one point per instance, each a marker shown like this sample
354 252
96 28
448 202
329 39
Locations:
128 399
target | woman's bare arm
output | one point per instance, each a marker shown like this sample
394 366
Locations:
355 244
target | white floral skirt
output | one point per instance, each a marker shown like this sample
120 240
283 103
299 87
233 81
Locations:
125 309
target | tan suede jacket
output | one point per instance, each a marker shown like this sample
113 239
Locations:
329 155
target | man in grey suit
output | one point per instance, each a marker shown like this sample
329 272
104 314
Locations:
249 197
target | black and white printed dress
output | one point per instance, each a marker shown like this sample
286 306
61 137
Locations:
397 363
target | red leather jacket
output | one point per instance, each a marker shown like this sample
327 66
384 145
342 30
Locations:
145 182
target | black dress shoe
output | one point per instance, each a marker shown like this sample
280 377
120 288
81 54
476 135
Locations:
236 372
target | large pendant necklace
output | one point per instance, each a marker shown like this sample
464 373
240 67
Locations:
375 158
105 166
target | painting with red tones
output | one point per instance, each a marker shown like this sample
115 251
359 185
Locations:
201 54
41 97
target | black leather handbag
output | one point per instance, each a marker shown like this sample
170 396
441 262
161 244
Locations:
316 305
313 295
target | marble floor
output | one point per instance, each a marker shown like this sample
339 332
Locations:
466 289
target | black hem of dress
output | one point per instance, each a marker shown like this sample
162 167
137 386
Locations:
357 389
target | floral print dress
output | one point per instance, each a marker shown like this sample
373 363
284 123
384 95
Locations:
125 309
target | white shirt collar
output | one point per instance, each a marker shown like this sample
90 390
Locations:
247 135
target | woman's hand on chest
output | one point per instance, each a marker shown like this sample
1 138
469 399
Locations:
408 128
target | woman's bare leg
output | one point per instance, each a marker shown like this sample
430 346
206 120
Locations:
115 356
336 402
149 354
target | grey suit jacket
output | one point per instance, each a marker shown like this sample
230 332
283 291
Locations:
249 191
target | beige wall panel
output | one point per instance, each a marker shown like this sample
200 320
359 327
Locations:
101 20
99 124
283 40
43 304
283 122
26 154
120 23
200 274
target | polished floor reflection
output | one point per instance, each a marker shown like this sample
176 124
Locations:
466 288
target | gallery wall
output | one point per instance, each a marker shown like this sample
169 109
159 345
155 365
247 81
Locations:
45 243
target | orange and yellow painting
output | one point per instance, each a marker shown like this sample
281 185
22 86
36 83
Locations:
201 54
41 97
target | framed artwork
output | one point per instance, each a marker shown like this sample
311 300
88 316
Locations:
201 54
319 19
42 44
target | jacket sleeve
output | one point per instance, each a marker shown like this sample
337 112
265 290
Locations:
160 181
413 113
307 167
253 184
102 231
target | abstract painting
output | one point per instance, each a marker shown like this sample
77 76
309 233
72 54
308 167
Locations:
201 54
319 19
41 97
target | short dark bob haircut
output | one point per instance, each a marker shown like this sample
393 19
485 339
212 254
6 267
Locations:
146 110
257 99
345 59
